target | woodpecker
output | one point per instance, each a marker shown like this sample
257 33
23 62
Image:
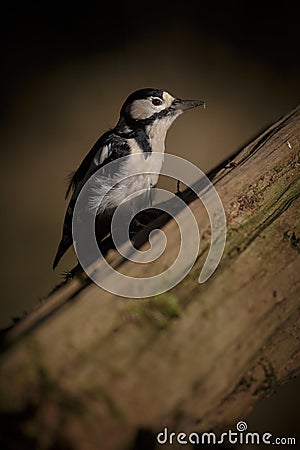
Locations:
145 118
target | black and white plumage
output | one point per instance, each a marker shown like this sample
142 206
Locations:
145 118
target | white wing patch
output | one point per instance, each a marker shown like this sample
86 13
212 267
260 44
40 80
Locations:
102 154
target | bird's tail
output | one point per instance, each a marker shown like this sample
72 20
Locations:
64 244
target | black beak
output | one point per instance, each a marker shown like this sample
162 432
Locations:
182 105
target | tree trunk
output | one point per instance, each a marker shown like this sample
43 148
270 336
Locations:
89 370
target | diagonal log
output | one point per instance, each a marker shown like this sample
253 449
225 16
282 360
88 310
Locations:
89 370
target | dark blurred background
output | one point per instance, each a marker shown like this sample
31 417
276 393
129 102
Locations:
67 68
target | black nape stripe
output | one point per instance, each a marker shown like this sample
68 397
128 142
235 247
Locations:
138 133
137 128
142 140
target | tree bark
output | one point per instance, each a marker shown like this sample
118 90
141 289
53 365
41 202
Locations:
89 370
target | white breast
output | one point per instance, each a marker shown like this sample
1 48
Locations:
140 171
137 173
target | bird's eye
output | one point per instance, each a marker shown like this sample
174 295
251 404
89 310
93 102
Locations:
156 101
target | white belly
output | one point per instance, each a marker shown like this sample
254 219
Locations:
137 175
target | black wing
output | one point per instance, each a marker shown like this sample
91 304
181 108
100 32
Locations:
92 161
107 148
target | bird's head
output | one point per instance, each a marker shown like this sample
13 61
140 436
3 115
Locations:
148 106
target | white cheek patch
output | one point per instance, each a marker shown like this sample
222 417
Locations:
168 99
141 109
